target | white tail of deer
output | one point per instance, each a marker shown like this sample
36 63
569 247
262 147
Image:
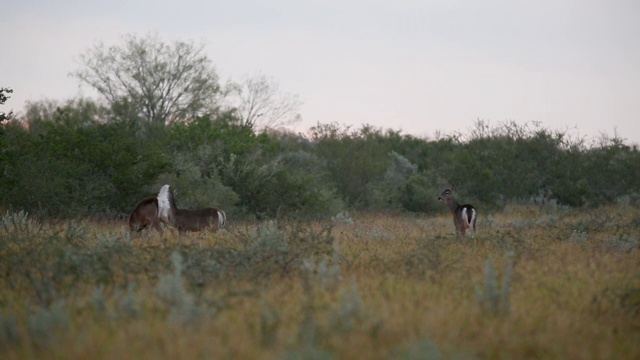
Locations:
464 216
164 206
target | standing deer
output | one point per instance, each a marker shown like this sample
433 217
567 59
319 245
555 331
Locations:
464 216
187 220
145 215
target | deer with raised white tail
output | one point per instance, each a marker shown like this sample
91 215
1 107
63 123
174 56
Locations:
464 216
187 220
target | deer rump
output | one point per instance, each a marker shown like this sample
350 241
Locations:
145 215
187 220
467 215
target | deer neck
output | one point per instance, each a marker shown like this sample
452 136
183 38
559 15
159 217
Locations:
453 204
172 202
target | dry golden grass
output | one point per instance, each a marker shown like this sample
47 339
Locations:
394 286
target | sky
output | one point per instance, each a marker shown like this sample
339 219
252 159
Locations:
421 67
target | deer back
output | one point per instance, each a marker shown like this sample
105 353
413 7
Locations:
195 220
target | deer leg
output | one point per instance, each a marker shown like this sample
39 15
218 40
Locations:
156 225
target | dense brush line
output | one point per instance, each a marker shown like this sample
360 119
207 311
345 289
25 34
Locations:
281 174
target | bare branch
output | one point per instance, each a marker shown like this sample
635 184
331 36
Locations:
262 106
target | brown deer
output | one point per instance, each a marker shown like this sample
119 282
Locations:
145 215
464 216
187 220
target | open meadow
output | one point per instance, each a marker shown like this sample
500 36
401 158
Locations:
536 283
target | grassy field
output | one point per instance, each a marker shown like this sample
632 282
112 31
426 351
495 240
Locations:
534 284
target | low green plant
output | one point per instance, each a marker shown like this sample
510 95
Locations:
9 333
172 291
48 323
493 298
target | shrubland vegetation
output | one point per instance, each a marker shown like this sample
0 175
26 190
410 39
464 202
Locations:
552 273
80 159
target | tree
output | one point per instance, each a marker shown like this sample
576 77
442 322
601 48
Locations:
163 82
3 99
261 104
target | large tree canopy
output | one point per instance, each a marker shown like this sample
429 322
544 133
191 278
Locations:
163 82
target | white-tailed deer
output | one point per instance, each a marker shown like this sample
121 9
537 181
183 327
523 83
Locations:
464 216
187 220
146 215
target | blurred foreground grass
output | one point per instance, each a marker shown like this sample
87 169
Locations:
554 284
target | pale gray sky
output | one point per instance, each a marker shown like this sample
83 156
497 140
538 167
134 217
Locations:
416 66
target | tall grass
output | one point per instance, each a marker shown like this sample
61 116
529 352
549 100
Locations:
537 283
